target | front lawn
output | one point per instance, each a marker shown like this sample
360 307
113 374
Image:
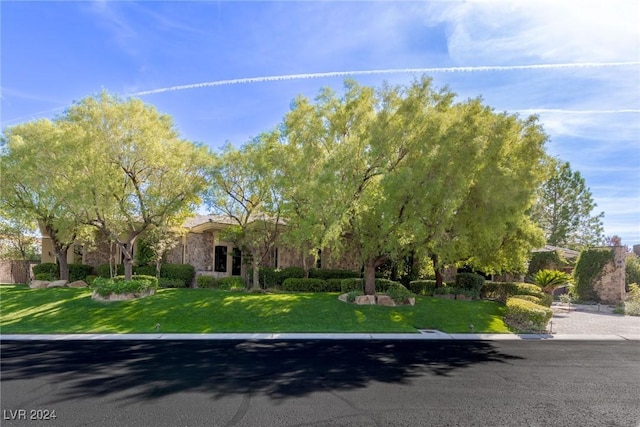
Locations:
66 310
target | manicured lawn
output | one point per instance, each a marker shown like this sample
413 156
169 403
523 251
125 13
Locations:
65 310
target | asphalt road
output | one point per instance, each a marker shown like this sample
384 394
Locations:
323 383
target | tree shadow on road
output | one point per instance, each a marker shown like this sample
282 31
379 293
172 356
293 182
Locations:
279 369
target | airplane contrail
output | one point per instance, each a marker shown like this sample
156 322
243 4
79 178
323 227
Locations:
385 71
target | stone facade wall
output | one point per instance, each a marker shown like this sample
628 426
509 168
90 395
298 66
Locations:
199 251
100 252
610 286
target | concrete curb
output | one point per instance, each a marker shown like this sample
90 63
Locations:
422 336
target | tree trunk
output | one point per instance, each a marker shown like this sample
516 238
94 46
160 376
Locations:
436 268
27 271
127 252
61 256
370 273
255 265
159 266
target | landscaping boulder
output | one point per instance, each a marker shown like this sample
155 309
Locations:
38 284
58 284
77 284
366 300
122 297
343 297
386 300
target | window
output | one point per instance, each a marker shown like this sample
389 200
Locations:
275 258
220 261
319 260
236 262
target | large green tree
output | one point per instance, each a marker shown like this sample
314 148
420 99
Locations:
400 168
242 188
140 174
39 170
564 209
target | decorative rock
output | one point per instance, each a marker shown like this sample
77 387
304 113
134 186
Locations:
122 297
386 300
463 297
343 297
366 300
412 301
445 296
38 284
58 284
77 284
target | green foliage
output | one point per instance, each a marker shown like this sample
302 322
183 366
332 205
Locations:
356 284
632 269
351 296
588 270
549 280
423 287
89 279
232 283
185 272
149 270
326 274
398 293
564 209
206 281
526 315
445 290
144 253
470 281
165 282
79 271
304 285
45 276
152 279
549 260
104 270
529 289
49 268
499 290
531 298
104 286
334 285
632 302
273 277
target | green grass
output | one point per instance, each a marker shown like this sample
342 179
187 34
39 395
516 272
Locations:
65 310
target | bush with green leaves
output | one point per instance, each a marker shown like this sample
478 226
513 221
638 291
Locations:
49 268
399 293
304 285
498 290
149 270
165 282
529 289
89 279
549 280
470 281
274 277
526 315
104 270
79 271
327 274
206 281
549 260
334 285
355 284
104 286
531 298
231 283
588 270
352 295
632 302
185 272
422 287
632 269
152 279
45 276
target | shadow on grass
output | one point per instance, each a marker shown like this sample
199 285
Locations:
145 370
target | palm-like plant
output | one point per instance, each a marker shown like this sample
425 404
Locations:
549 280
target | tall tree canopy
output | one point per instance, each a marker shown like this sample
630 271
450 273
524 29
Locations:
398 168
564 209
140 173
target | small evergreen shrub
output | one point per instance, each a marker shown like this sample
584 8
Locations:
89 279
531 298
334 285
422 287
351 296
632 302
349 285
445 290
304 285
498 290
148 270
79 271
104 286
529 289
398 293
45 276
165 282
104 270
274 277
50 268
551 260
327 274
470 281
527 315
206 281
232 283
185 272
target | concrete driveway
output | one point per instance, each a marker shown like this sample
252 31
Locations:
592 320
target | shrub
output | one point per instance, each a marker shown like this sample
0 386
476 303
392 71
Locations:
334 285
632 269
422 287
104 286
104 270
148 270
351 296
499 290
206 281
527 315
398 293
79 271
588 270
349 285
445 290
164 282
232 283
549 280
50 268
470 281
304 285
274 277
529 289
531 298
152 279
546 300
45 276
89 279
550 260
327 274
383 285
632 302
185 272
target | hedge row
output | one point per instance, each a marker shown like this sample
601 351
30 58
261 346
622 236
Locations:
176 275
349 285
51 271
527 315
223 283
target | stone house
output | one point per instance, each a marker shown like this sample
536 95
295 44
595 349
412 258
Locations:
203 246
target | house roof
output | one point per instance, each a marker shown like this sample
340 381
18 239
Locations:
566 253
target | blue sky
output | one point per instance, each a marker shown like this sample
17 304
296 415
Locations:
227 71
